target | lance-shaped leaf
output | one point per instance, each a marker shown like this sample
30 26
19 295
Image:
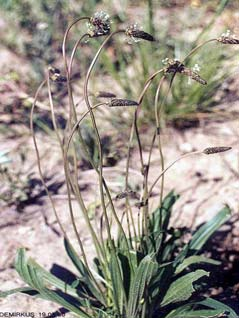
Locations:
24 290
188 311
195 259
84 273
182 288
35 278
70 303
205 232
140 283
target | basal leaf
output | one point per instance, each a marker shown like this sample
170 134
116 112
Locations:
187 312
140 283
53 280
207 230
195 259
72 305
25 290
22 267
166 210
182 288
116 279
215 304
84 273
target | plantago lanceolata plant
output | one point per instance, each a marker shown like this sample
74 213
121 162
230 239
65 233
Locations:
145 269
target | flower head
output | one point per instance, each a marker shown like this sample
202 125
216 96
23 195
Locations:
55 75
135 33
175 66
212 150
228 38
103 94
196 68
122 102
165 61
99 24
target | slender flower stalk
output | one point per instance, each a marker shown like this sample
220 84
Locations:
41 173
197 48
69 183
86 96
175 67
84 36
98 29
134 128
34 104
71 102
207 151
98 140
158 114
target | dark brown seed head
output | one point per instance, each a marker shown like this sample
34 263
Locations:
122 102
125 194
53 70
141 35
134 32
228 39
175 66
212 150
99 24
196 77
193 75
55 75
103 94
141 204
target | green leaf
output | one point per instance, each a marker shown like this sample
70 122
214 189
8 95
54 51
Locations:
182 288
212 303
139 284
207 230
54 296
165 209
195 259
33 275
52 279
85 274
22 267
24 290
116 279
187 312
213 308
202 235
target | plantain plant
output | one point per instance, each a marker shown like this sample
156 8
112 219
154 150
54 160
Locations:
145 269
